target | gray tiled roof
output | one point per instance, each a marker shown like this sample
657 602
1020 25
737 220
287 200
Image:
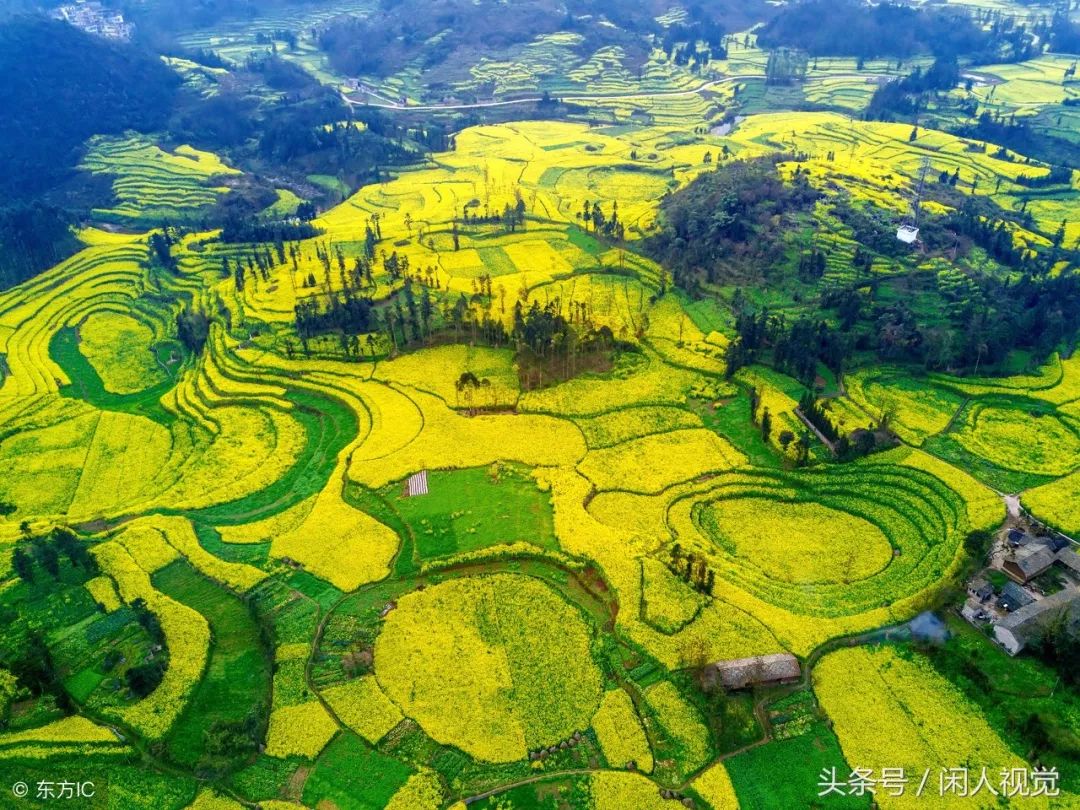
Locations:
1029 618
740 672
1032 560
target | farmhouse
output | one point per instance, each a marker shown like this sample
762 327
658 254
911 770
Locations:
760 670
1028 562
1019 628
980 589
1070 559
1013 597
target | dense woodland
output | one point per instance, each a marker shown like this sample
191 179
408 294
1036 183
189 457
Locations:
102 88
721 228
32 236
850 28
110 88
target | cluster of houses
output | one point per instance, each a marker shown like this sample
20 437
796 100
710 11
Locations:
91 16
1021 610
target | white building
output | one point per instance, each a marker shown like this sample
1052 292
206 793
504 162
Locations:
1016 630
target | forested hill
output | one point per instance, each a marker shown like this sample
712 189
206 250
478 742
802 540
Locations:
852 28
382 43
55 72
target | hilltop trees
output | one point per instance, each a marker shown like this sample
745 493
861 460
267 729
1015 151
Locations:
721 227
853 28
94 85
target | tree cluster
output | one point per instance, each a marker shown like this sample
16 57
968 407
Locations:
692 569
867 31
908 96
45 553
723 225
795 349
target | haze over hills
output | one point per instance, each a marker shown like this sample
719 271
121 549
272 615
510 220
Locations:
614 406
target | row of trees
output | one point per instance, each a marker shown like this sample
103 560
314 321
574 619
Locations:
592 217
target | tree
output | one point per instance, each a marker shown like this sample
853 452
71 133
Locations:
802 450
23 565
977 544
766 425
755 400
68 544
676 556
48 556
144 678
785 438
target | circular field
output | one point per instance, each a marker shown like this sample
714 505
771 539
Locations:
496 665
832 542
1026 441
800 543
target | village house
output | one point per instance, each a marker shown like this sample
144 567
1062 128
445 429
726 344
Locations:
93 18
1032 556
1019 628
1027 562
760 670
1013 597
981 590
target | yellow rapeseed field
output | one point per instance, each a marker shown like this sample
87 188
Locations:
478 663
653 463
339 543
362 706
619 732
422 791
801 543
896 711
302 730
187 636
680 721
714 785
119 349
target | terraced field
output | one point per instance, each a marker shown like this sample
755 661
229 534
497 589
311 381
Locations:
408 573
152 185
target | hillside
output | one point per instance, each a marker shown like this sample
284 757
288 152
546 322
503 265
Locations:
621 406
